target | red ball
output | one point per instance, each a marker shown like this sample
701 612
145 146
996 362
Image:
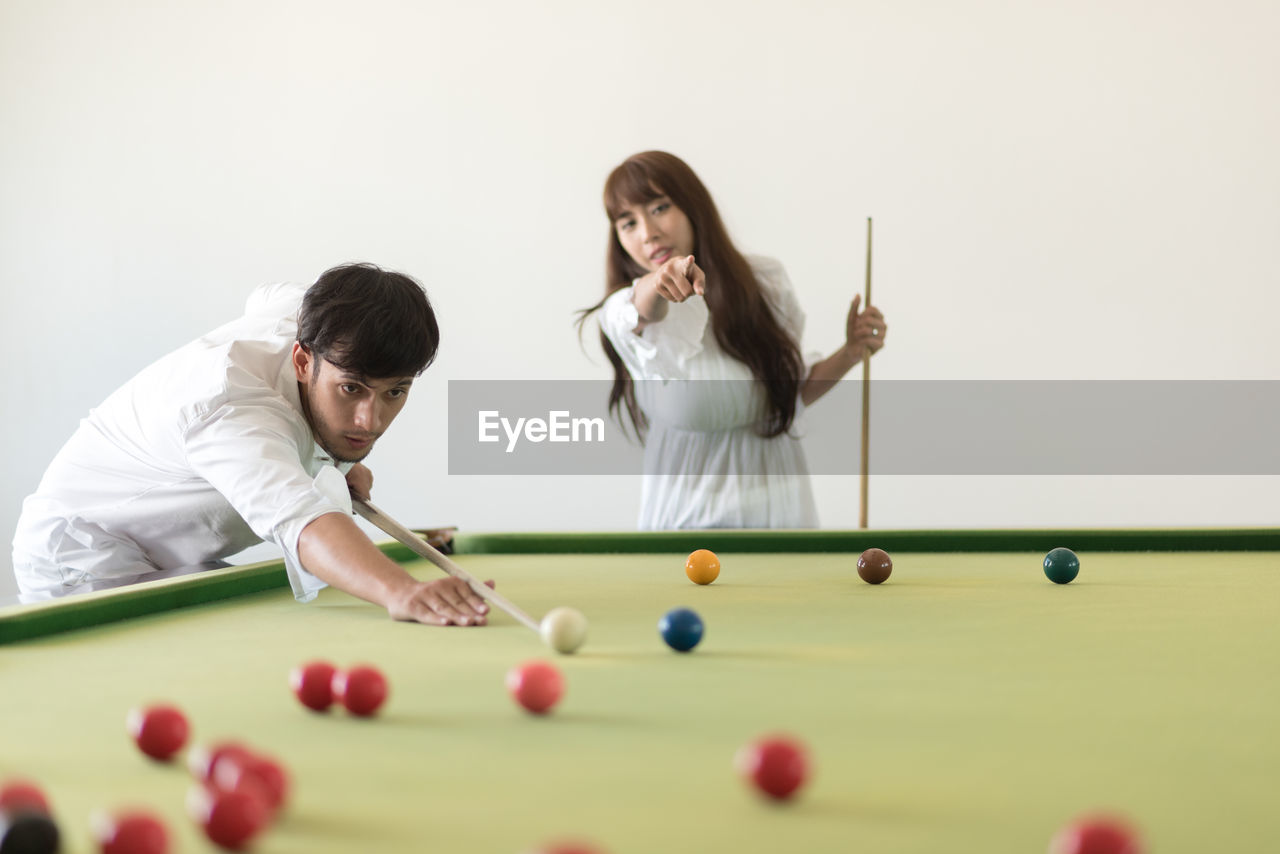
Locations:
231 819
777 766
312 683
536 685
567 848
159 731
23 795
1096 835
362 690
259 775
276 778
130 832
203 761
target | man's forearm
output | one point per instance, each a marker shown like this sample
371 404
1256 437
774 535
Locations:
334 549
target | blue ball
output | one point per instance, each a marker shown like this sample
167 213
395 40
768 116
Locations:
681 629
1061 566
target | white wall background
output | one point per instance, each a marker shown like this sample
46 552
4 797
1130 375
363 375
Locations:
1062 190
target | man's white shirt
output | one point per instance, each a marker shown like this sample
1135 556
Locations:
201 455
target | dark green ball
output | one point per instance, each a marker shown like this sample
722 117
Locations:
1061 566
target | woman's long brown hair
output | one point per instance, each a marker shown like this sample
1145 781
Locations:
744 325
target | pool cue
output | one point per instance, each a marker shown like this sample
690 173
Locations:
866 399
422 547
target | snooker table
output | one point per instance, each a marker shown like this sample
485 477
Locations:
965 705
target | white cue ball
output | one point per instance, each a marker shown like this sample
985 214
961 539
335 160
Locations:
564 629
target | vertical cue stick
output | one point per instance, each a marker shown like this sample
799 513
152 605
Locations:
866 399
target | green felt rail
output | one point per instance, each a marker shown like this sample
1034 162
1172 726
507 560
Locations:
24 622
1012 540
19 623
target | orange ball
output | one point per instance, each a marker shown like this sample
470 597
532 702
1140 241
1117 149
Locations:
702 567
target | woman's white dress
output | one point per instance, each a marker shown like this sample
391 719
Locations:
705 465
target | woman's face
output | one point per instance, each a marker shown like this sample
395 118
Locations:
654 232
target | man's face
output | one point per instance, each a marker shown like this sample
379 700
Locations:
347 412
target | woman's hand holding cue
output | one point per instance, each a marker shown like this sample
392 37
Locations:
864 333
863 330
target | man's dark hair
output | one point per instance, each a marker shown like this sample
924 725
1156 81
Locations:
369 321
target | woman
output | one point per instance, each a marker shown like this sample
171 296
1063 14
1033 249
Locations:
704 344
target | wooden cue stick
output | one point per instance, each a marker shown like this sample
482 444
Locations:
426 550
866 400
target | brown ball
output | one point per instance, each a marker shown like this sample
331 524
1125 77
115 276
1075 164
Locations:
874 566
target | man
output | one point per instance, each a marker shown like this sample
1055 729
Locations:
253 432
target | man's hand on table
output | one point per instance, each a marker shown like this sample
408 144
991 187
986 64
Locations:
441 602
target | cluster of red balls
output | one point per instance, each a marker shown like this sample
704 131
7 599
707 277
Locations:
26 824
536 685
238 792
361 690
